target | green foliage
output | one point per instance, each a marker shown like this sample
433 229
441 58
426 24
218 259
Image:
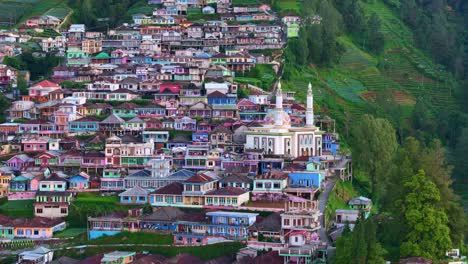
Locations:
72 85
374 146
428 233
360 245
134 238
18 208
203 252
90 12
39 67
92 204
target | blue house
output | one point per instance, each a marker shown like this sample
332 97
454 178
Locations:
305 179
20 184
78 182
135 195
218 98
220 226
85 124
331 142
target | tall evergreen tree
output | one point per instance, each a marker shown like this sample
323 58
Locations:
374 147
427 232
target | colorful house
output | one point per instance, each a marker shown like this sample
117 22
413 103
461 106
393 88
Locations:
228 196
20 184
112 180
79 182
135 195
20 162
34 144
37 227
6 227
270 185
112 224
120 257
125 110
220 226
47 159
53 183
305 179
169 195
85 124
52 204
195 188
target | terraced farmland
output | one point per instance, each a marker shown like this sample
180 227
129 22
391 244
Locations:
13 12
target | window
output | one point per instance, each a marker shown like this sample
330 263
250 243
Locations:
286 222
43 186
20 232
36 232
159 198
63 210
142 198
59 186
276 185
178 199
39 211
259 185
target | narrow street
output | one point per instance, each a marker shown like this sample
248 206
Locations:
323 199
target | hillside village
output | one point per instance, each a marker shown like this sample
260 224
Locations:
157 120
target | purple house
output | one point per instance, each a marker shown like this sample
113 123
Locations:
20 162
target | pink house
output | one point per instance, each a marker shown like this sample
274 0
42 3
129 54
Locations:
93 159
19 162
35 144
42 88
35 182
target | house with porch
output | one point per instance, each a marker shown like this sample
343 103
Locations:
112 180
219 226
47 159
84 124
169 195
112 224
37 227
52 200
196 187
227 197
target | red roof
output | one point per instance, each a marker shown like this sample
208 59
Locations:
37 222
46 84
199 178
273 174
227 191
173 188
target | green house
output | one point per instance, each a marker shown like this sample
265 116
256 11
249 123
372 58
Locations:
125 110
362 204
292 30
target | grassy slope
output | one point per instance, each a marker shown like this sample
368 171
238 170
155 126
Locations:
20 208
203 252
401 67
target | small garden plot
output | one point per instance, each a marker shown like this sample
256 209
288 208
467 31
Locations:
58 12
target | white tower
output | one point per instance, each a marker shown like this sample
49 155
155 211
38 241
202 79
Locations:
310 107
279 106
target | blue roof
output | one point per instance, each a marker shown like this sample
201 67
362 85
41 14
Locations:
141 173
78 176
183 172
21 178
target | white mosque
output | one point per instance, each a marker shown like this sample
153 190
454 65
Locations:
282 139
